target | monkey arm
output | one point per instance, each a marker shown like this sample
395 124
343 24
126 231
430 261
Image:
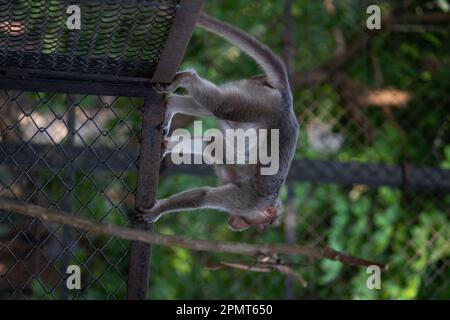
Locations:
197 198
185 105
186 200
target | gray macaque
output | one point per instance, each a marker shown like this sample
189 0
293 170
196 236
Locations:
262 102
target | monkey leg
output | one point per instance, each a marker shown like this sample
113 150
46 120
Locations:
180 78
179 104
182 104
185 105
241 101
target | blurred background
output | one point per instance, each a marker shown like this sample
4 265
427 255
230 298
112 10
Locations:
378 97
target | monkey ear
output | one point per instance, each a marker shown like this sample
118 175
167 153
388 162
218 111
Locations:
237 223
270 212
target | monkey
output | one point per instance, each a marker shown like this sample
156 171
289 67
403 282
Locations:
261 102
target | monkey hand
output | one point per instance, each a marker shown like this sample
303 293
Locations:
181 79
148 215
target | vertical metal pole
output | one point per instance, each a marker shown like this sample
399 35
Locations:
147 181
69 177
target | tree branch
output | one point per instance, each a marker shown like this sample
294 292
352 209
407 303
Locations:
264 268
57 216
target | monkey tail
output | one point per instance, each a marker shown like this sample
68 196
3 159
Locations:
272 65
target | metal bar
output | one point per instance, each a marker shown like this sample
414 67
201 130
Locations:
149 158
373 175
29 157
54 85
346 173
18 73
76 72
352 173
74 82
179 35
26 157
147 181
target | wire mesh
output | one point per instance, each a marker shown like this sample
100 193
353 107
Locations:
77 153
120 38
74 153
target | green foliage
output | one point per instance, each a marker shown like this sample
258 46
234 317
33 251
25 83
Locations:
409 230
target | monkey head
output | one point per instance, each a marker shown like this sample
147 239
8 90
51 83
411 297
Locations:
260 219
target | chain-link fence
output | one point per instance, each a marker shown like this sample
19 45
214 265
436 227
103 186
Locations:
370 177
77 149
398 211
77 154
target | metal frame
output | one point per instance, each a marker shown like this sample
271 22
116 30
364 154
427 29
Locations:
147 181
177 40
176 44
406 177
73 83
315 171
148 168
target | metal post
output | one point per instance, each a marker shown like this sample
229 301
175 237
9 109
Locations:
147 181
149 157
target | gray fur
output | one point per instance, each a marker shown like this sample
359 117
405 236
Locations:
263 102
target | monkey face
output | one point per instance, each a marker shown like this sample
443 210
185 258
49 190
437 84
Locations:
260 221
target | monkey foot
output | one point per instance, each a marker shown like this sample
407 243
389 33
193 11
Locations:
148 218
180 78
163 88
